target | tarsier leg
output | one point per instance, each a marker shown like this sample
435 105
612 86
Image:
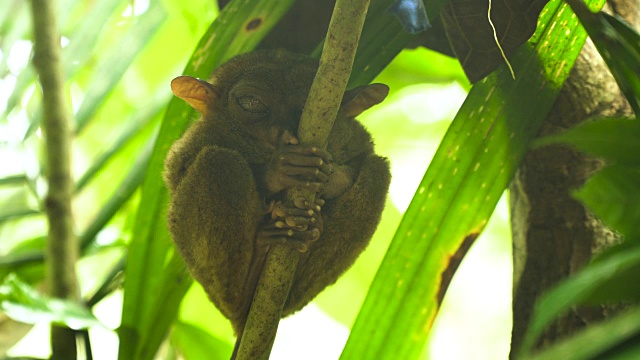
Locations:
213 220
297 227
349 224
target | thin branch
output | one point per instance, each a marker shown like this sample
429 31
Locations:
62 249
315 125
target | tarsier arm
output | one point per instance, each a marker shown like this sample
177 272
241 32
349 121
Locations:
339 182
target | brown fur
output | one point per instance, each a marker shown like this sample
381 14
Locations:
215 174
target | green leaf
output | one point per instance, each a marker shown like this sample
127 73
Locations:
85 35
382 39
151 302
616 140
613 194
18 213
18 198
472 167
106 212
599 341
112 281
611 279
23 303
26 252
133 125
196 344
16 25
82 40
120 196
14 180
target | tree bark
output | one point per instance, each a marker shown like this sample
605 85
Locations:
62 249
554 235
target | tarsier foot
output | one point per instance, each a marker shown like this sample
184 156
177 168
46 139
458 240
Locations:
299 217
297 226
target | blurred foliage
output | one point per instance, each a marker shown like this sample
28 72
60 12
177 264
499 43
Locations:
473 165
25 304
613 195
119 57
125 93
617 43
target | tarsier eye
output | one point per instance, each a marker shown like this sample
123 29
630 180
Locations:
252 104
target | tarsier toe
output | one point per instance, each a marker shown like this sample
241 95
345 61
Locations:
301 203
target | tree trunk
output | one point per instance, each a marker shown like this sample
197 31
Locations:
554 235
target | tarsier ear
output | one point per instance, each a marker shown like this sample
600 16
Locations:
197 93
357 100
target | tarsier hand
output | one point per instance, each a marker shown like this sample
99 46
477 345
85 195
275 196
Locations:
295 165
297 226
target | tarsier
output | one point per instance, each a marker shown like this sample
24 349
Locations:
228 173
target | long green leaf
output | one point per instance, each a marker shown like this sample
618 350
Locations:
19 198
616 140
18 214
82 41
619 45
108 210
112 281
120 196
14 23
467 176
85 35
613 194
196 344
22 256
146 316
14 180
110 71
584 286
136 123
599 339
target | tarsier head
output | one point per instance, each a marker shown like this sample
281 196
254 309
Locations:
261 94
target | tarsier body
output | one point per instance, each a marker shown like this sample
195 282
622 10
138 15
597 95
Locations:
229 171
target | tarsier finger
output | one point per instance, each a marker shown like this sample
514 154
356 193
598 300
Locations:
312 150
307 173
